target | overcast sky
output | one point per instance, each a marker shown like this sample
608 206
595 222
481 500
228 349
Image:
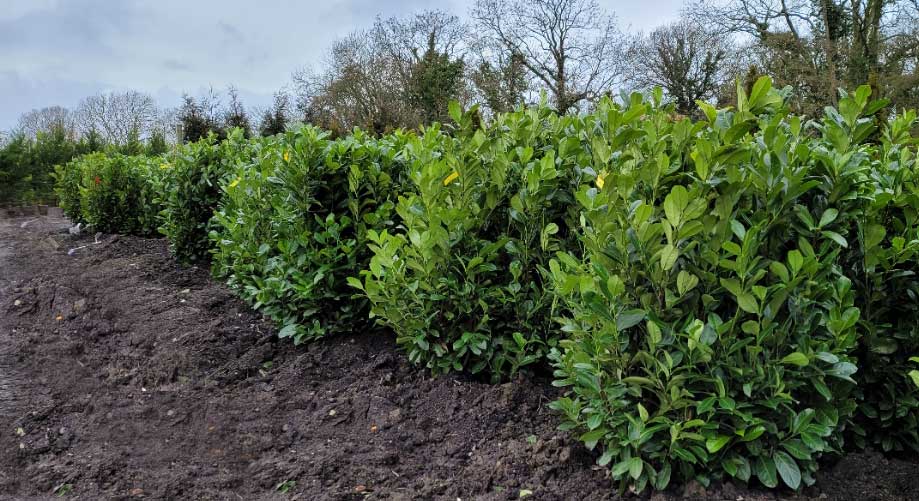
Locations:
59 51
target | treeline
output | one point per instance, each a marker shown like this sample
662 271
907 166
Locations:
27 163
128 123
402 72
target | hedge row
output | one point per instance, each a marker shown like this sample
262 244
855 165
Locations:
112 192
294 222
731 297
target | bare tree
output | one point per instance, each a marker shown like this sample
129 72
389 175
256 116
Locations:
166 123
790 37
399 73
118 116
51 118
500 81
571 47
817 46
688 61
405 40
360 87
757 18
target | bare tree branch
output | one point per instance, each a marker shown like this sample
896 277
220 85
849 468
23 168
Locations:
570 46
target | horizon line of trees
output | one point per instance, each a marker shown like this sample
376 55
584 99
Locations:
403 72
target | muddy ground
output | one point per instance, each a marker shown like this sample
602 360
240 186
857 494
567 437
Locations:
125 376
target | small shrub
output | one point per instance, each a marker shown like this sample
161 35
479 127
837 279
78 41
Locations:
711 332
111 192
459 279
292 227
192 192
880 185
153 172
67 186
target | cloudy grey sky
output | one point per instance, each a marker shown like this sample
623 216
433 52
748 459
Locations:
59 51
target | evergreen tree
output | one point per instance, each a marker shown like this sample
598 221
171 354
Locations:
435 81
133 146
236 116
274 121
156 145
196 122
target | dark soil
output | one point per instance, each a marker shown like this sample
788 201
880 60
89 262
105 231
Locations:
123 376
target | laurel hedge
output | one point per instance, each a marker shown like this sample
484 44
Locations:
731 297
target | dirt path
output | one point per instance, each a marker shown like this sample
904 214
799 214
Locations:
123 376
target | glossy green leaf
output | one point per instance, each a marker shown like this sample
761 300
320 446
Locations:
797 358
788 469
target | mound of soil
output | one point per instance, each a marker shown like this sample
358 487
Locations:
123 376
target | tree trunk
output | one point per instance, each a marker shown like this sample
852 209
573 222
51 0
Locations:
561 91
830 49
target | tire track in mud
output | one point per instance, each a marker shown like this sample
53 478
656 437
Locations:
14 386
11 383
18 392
